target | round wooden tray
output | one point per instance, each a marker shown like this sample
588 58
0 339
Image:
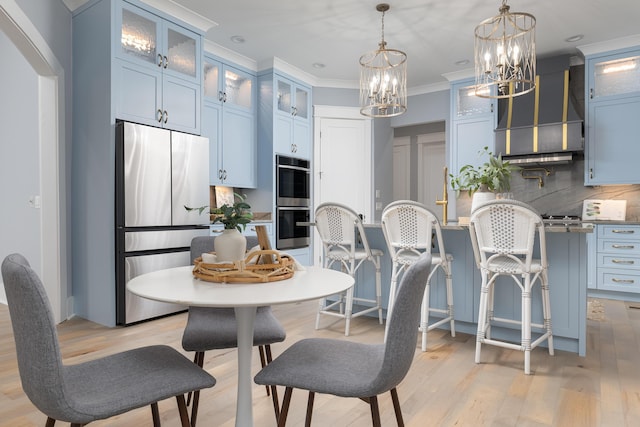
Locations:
259 267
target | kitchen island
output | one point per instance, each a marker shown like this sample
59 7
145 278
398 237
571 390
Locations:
567 256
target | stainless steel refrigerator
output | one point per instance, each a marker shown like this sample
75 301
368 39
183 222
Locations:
158 173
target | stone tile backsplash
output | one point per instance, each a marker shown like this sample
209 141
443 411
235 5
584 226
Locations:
563 192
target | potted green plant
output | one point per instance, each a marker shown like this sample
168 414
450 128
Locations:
231 245
235 216
493 176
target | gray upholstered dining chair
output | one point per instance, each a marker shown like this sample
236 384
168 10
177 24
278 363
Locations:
93 390
215 328
350 369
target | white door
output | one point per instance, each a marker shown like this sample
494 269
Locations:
402 168
431 174
342 161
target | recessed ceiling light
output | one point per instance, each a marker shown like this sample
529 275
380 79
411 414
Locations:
462 62
318 65
575 38
237 39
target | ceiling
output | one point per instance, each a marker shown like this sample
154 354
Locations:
435 34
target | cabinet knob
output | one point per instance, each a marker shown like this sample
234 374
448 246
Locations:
624 281
618 231
166 62
623 246
591 93
220 95
166 116
159 60
159 115
220 174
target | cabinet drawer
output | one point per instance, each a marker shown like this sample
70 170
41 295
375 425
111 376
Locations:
617 246
619 280
618 261
619 231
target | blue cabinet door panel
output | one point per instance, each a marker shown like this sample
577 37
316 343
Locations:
137 93
181 102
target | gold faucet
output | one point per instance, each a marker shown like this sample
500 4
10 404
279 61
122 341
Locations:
445 198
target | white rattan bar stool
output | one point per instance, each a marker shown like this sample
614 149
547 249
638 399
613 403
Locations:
340 230
409 228
503 234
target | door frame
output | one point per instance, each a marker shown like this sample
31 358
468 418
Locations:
51 128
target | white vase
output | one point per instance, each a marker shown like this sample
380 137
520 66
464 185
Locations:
230 246
481 197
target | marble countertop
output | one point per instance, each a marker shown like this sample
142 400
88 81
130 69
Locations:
585 227
454 225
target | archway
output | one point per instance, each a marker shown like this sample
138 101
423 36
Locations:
51 129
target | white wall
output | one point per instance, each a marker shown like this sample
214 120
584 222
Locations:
19 157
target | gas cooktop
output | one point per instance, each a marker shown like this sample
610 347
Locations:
565 220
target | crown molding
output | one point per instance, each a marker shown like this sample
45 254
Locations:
609 45
182 13
230 55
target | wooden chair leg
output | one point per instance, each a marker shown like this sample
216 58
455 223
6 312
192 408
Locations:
276 404
307 420
194 408
375 411
50 422
282 419
155 414
263 361
198 359
274 393
184 414
396 407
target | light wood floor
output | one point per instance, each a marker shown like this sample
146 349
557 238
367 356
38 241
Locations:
443 388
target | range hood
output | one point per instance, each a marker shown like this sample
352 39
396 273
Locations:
544 126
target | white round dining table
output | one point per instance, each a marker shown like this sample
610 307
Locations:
178 285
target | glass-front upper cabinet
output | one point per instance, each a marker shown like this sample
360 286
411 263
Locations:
293 99
469 104
211 71
284 97
302 102
181 51
139 35
615 75
238 88
235 89
147 39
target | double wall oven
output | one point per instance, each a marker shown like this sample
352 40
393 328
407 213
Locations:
293 202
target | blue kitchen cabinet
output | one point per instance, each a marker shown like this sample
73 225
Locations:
615 264
567 256
292 118
157 77
612 110
473 122
109 84
284 128
229 121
